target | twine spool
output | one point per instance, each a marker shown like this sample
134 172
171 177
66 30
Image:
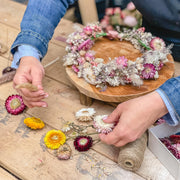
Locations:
131 155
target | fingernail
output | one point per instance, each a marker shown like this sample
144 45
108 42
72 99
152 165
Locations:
46 95
44 105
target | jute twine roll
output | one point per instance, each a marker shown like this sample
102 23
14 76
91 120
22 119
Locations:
131 155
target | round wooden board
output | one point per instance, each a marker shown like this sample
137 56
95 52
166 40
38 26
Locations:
105 48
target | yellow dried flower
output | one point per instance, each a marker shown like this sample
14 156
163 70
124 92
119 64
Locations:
34 123
54 138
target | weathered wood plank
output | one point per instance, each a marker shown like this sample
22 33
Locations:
4 175
23 153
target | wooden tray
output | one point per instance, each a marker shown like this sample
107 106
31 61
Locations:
105 48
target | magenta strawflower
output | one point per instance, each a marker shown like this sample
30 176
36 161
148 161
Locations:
148 71
75 68
88 30
86 45
83 143
14 104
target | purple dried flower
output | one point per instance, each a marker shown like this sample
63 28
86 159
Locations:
148 71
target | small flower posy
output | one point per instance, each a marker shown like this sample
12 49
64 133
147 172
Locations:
120 70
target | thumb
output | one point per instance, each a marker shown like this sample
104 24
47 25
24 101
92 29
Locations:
114 116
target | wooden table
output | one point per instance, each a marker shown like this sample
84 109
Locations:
22 153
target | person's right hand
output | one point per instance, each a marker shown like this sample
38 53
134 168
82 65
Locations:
30 70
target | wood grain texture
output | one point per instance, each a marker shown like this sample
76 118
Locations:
104 49
24 153
4 175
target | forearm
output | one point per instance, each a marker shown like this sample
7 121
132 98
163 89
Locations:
38 24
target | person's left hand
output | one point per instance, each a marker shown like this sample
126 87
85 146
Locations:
133 117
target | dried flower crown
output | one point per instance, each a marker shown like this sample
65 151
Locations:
118 71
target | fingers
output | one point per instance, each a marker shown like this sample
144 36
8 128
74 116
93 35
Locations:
114 116
31 71
33 99
37 79
118 137
32 104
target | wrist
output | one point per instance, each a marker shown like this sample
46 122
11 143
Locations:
157 104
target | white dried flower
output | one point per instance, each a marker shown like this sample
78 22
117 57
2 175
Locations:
101 126
85 114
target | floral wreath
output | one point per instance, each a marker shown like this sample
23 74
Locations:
118 71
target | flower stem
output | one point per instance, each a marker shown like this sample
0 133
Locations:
99 35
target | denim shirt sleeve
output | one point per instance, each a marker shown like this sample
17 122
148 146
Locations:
39 21
170 117
24 50
171 92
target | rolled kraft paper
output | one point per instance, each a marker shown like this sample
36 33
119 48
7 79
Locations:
132 154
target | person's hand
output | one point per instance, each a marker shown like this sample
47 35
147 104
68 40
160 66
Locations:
31 70
133 118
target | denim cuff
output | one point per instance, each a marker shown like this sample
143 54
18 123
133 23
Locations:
171 118
24 50
30 38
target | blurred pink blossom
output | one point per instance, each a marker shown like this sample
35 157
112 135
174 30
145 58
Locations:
131 6
109 11
130 21
117 10
112 34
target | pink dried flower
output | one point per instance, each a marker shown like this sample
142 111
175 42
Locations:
157 43
117 10
104 23
109 28
14 104
112 34
81 60
87 30
97 28
75 68
109 11
73 48
94 63
161 64
121 61
148 71
122 15
89 56
107 18
141 29
130 21
131 6
86 45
